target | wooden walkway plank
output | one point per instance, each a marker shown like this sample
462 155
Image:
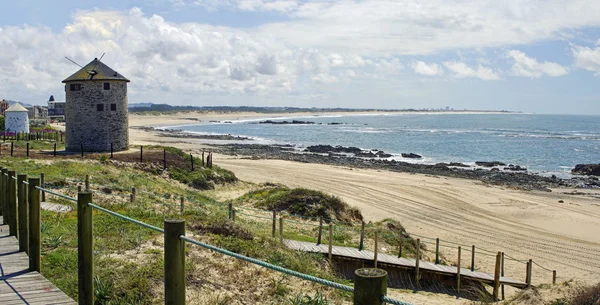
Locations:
20 286
409 263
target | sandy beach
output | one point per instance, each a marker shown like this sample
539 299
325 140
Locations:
562 236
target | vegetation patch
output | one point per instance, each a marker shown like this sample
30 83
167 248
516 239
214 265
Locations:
302 202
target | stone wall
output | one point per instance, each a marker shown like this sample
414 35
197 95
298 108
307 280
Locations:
17 121
95 129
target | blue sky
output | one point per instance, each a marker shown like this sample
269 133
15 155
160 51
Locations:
535 56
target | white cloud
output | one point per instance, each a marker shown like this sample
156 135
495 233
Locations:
422 68
587 58
529 67
462 70
413 27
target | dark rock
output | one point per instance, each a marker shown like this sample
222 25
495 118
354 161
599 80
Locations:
382 154
561 201
495 169
586 169
324 149
295 122
490 163
411 155
515 168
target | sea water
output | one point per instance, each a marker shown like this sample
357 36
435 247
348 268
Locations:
546 144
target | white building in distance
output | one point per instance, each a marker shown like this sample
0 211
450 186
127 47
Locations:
17 118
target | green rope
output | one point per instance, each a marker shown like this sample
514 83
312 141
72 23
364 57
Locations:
270 266
56 194
143 224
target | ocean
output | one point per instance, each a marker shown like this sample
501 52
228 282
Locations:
545 144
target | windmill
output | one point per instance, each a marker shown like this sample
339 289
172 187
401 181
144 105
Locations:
92 72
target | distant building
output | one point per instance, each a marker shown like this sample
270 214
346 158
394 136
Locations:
3 106
96 114
56 109
17 118
37 112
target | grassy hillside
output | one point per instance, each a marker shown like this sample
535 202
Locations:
129 258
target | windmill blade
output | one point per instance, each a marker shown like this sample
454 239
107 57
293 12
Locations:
102 56
73 62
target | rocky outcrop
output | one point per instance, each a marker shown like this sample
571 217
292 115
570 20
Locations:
337 150
294 122
586 169
512 167
490 163
411 155
324 149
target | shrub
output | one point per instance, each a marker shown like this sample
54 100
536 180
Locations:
303 202
586 296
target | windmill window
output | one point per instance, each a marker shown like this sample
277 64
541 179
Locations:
75 87
106 86
113 107
100 107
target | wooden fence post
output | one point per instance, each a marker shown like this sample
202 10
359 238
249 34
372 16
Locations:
473 258
202 158
164 158
87 182
330 254
274 224
281 229
43 183
2 197
320 230
233 215
12 204
417 271
370 284
553 277
437 251
12 144
230 208
111 150
362 236
54 149
192 160
141 153
27 154
375 252
497 276
502 273
458 271
529 273
174 262
132 197
400 244
23 213
35 244
85 249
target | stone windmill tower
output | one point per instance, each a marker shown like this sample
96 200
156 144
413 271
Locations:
96 113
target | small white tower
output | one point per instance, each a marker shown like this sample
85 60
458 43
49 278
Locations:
17 119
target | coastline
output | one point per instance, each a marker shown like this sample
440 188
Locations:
546 226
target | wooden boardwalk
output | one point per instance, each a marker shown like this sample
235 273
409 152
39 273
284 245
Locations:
18 285
407 263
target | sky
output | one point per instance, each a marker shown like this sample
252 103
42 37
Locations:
540 56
